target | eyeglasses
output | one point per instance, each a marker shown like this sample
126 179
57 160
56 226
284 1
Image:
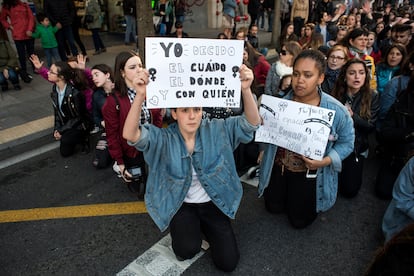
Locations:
343 27
335 57
284 52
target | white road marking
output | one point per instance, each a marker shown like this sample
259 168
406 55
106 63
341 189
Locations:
27 155
159 260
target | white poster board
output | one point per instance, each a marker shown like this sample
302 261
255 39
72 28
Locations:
188 72
298 127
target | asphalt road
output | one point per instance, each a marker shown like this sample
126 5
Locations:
341 241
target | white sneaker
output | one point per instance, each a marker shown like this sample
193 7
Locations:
116 169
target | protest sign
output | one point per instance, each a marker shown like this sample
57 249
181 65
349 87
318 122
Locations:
298 127
188 72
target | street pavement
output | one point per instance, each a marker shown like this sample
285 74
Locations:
340 242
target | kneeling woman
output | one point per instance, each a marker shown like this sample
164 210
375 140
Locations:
353 89
193 186
71 117
283 179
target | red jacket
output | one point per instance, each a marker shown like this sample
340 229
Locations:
260 70
114 125
21 19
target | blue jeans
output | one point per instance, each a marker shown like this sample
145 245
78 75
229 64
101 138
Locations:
63 35
260 19
13 77
270 16
51 54
131 28
97 41
24 47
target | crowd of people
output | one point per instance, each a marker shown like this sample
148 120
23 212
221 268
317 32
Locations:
354 59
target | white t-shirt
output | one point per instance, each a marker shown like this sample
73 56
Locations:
196 193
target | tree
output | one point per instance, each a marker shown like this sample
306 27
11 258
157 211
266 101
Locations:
145 26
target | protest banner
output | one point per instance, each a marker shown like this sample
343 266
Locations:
188 72
295 126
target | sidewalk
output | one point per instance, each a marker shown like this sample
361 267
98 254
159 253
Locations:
26 116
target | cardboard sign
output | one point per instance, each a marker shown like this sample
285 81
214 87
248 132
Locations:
188 72
298 127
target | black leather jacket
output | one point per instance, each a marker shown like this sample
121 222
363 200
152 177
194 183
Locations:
72 113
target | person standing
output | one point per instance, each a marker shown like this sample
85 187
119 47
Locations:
17 17
253 10
283 179
299 14
46 33
270 9
130 13
62 12
229 12
94 10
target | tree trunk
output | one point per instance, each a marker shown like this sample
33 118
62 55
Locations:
145 26
276 25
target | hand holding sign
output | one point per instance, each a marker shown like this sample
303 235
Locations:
189 72
298 127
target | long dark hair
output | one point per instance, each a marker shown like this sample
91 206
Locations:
74 76
106 69
341 87
120 61
400 48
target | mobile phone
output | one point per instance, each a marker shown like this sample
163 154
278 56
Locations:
311 173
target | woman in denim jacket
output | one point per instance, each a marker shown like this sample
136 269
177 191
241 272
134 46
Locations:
400 212
283 178
193 186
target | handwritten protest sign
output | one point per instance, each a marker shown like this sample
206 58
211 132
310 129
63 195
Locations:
186 72
298 127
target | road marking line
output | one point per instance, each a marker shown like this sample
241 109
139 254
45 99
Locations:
158 260
73 211
27 155
22 130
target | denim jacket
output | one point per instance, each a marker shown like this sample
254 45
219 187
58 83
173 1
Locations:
170 165
400 211
340 145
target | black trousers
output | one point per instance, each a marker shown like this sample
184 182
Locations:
293 193
350 178
191 221
70 139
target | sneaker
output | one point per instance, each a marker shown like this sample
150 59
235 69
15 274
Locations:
117 170
27 78
94 130
253 172
97 52
103 50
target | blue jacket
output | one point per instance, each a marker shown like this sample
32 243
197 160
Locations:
170 165
340 145
384 75
229 7
388 96
400 211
